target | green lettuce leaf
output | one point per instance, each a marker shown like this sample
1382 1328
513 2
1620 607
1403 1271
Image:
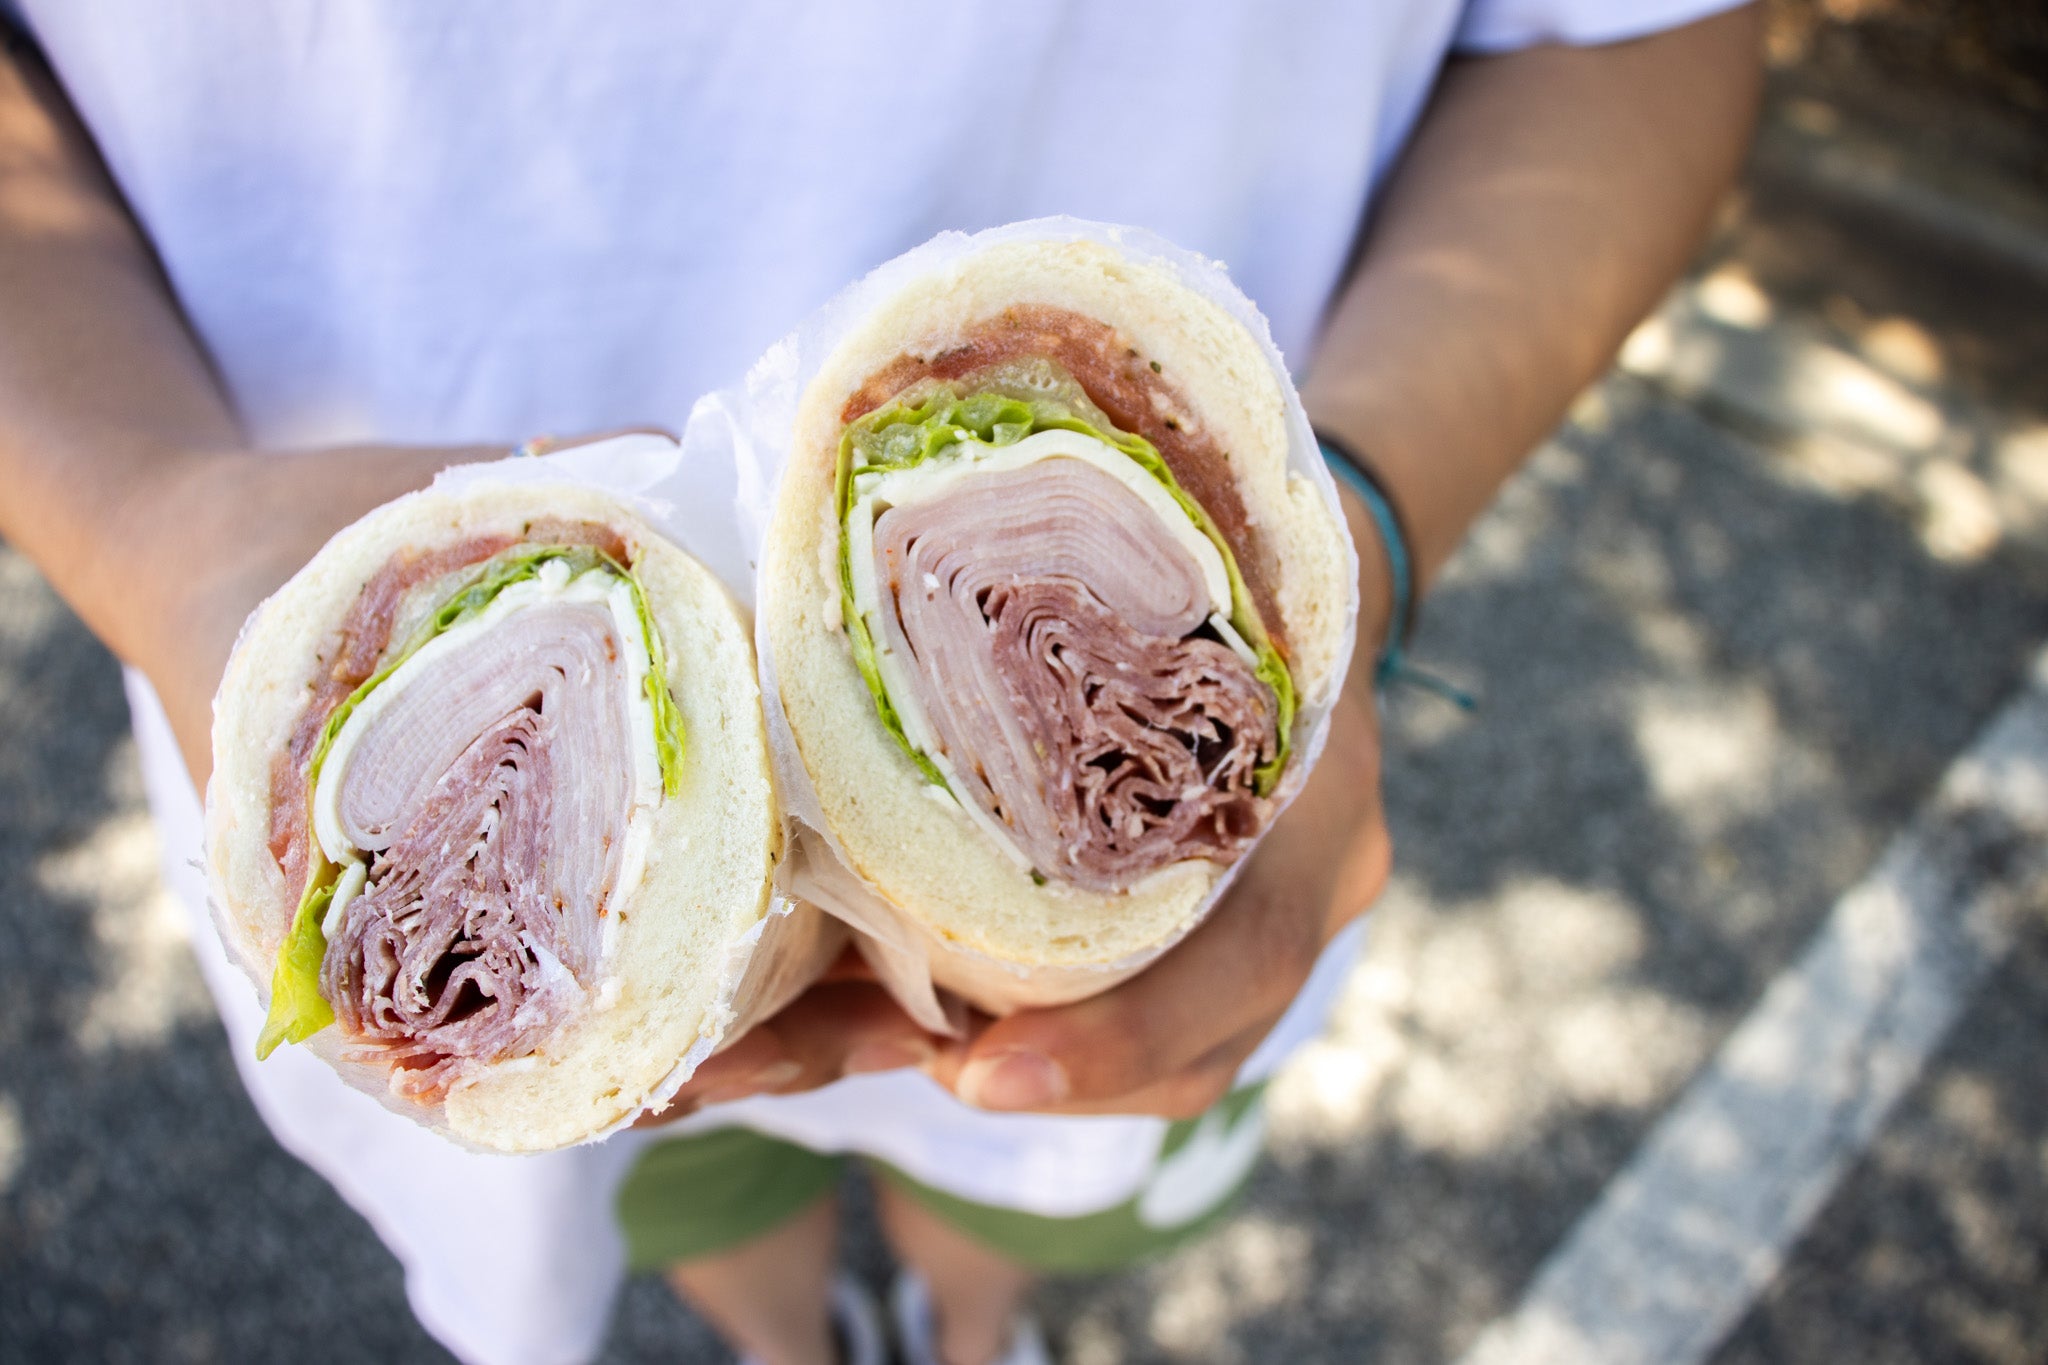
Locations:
936 422
297 1009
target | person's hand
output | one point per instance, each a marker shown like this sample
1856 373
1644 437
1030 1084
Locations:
1170 1040
219 532
845 1024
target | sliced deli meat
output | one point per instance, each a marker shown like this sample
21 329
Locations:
496 786
1050 622
1054 603
1056 631
492 816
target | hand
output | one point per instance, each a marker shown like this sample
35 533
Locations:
1170 1040
216 533
845 1024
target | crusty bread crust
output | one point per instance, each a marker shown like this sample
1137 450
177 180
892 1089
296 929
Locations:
977 911
710 857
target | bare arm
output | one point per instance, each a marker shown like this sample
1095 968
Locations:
101 385
126 476
1547 200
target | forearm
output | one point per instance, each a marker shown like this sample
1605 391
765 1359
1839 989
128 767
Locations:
1548 198
101 383
123 473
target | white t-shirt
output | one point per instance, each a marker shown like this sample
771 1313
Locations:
458 220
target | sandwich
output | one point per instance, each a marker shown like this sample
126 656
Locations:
1052 611
491 819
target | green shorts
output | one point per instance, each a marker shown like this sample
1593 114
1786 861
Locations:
709 1192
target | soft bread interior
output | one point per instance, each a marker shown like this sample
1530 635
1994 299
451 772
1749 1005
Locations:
927 859
710 855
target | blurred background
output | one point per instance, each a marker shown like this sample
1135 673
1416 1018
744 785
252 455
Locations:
1706 1018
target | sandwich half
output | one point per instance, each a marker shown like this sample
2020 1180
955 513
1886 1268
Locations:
1053 613
491 817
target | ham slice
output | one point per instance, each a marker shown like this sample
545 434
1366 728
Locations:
1053 621
492 793
1136 395
359 646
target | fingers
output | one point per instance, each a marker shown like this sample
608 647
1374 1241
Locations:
1232 977
1170 1039
1185 1093
837 1028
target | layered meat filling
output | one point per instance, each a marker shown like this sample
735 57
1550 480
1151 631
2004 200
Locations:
474 810
1060 635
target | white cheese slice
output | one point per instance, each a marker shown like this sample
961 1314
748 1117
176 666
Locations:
345 890
551 584
876 491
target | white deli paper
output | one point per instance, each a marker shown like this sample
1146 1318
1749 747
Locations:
773 962
749 427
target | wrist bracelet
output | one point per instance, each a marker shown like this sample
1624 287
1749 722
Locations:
1392 666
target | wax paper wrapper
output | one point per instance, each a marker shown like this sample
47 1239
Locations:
793 942
751 425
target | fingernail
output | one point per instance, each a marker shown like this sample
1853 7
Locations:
1013 1080
894 1055
771 1077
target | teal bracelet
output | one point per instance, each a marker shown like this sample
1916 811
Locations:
1392 666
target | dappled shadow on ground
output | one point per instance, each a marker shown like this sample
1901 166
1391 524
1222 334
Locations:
1965 80
1714 686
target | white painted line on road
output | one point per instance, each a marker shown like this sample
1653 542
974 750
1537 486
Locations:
1683 1239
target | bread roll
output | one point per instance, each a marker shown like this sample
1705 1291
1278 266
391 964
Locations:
1011 904
562 969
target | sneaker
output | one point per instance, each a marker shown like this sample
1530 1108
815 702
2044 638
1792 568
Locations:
910 1304
856 1323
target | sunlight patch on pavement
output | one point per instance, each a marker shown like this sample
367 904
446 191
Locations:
1674 639
1903 347
1253 1265
1464 1026
1624 1047
1840 468
1498 547
148 984
13 1142
28 609
2023 463
1959 521
1093 1339
1841 390
1702 344
1731 295
2019 475
1650 348
1708 749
